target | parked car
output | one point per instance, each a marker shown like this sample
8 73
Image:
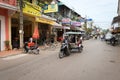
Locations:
108 36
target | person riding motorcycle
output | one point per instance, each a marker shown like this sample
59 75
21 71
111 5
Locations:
29 45
66 41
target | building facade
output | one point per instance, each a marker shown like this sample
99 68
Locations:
33 16
7 8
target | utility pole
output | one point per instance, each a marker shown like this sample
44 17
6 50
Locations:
85 24
21 23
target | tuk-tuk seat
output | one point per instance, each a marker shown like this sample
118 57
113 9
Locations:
73 45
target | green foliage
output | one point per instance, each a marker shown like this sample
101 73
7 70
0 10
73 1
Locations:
89 30
7 42
7 45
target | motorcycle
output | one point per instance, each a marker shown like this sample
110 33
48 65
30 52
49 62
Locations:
33 49
64 50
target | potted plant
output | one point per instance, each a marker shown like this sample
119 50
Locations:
7 46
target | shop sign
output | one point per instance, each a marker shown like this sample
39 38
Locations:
51 8
75 23
43 20
83 19
66 21
31 9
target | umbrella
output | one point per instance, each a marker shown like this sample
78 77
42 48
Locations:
36 34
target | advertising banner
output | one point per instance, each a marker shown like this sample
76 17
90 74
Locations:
75 23
31 9
51 8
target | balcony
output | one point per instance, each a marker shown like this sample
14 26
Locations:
10 2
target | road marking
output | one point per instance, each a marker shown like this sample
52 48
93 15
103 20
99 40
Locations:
14 57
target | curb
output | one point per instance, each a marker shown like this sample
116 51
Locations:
10 55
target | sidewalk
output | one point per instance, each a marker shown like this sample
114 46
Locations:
9 53
18 51
13 52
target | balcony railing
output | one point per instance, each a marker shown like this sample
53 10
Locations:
10 2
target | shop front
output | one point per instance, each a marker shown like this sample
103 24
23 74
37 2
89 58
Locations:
30 11
7 8
45 26
65 26
28 23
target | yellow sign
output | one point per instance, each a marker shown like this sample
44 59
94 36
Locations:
43 20
31 9
51 8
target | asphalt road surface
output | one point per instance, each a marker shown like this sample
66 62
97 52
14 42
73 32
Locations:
98 61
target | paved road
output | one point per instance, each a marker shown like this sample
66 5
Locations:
98 61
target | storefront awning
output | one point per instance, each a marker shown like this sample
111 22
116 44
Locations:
77 28
44 20
56 24
62 27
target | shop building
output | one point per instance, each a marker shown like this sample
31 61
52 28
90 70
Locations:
7 9
32 17
116 24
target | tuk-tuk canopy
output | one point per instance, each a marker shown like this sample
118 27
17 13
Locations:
68 33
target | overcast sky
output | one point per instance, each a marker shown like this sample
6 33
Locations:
101 11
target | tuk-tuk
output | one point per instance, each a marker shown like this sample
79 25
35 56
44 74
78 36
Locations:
74 40
71 41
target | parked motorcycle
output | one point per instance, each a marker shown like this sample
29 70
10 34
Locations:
64 50
33 49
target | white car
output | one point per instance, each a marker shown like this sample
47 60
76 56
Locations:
108 36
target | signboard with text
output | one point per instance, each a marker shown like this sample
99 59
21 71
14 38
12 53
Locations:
31 9
75 23
51 8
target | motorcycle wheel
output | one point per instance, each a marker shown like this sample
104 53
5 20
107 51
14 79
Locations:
79 49
38 51
61 54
